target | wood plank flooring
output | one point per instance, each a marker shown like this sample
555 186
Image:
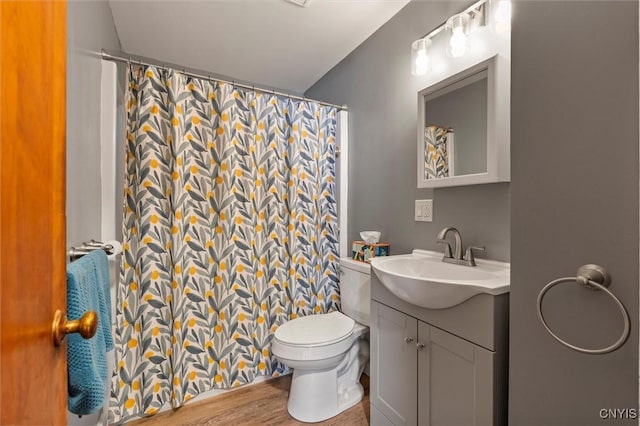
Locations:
261 404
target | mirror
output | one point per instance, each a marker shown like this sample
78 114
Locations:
463 129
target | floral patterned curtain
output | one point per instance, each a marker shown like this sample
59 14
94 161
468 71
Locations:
230 229
438 152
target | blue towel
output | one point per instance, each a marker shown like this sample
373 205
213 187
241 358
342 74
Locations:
88 290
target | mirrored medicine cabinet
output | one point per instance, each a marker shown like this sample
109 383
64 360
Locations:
463 127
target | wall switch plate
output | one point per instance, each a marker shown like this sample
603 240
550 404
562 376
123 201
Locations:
424 211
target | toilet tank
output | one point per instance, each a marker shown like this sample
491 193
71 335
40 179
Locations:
355 289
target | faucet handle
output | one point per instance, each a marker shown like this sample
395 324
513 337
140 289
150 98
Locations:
447 248
469 257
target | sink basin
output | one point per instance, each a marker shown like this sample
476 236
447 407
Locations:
423 279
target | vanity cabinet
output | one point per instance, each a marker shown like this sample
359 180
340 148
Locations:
424 375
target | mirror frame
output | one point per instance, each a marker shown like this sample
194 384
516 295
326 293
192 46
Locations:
498 124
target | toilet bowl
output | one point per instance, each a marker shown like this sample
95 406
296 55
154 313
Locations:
328 352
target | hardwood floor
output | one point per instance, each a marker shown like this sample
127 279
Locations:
261 404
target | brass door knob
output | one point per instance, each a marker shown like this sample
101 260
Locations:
86 325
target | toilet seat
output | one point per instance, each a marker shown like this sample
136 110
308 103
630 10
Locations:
314 337
315 330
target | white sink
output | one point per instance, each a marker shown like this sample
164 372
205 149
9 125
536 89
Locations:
423 279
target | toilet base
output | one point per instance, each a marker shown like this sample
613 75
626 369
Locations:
318 395
313 396
350 397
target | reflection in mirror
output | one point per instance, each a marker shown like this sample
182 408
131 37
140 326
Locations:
463 127
438 152
459 109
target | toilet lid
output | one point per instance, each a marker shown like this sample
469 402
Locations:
315 330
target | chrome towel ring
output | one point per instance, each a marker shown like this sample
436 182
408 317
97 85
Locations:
594 277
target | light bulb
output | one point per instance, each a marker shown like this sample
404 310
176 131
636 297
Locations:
457 24
458 43
420 61
502 17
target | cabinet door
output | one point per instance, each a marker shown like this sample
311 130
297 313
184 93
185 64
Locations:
393 364
455 384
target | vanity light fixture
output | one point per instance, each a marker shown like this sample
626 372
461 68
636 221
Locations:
420 60
459 27
420 56
501 16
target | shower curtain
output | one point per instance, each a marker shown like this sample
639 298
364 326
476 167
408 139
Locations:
438 152
229 230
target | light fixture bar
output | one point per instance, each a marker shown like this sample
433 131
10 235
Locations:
476 12
476 6
477 17
436 31
301 3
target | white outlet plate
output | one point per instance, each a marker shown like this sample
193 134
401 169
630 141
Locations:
424 211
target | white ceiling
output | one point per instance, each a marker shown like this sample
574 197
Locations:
267 42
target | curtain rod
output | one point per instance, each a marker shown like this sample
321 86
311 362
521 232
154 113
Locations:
128 60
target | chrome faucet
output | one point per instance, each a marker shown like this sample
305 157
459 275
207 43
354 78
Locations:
441 239
456 257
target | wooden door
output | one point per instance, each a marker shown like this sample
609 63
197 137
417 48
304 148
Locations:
32 210
394 364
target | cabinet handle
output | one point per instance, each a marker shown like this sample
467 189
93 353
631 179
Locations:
408 340
420 346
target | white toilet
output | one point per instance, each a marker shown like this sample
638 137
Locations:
328 352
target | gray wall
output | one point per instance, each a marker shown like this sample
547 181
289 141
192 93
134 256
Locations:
574 146
90 28
375 82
